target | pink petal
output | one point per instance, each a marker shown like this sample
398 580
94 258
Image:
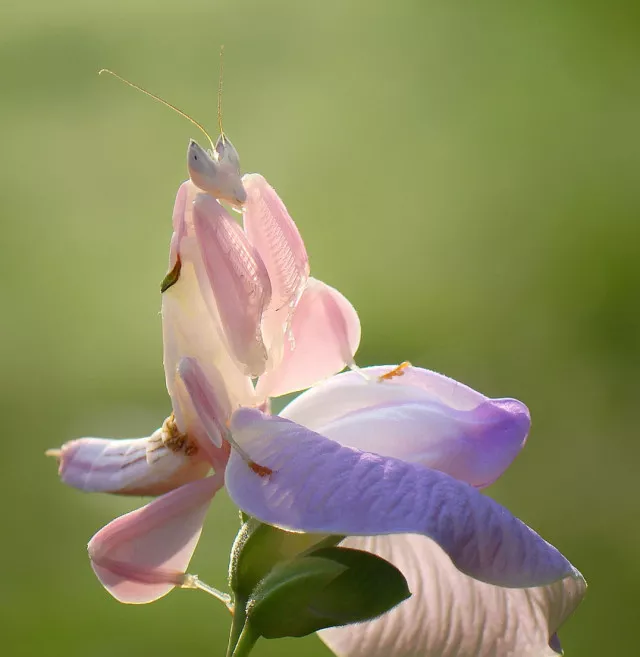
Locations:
139 466
184 197
453 615
212 407
411 423
192 328
325 336
275 236
239 281
141 556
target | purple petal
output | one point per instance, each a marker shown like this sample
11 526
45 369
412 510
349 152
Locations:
472 446
321 487
407 421
452 615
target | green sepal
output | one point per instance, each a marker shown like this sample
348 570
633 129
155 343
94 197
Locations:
320 588
289 584
257 549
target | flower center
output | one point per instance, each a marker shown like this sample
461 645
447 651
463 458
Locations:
176 441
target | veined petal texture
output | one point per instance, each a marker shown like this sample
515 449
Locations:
319 486
451 614
275 237
138 466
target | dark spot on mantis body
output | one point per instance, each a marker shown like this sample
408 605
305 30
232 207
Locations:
172 277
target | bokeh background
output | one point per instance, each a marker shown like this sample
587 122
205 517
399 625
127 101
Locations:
466 173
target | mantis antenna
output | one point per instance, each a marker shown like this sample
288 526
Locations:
220 93
173 107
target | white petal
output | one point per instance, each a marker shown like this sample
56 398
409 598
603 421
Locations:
138 466
453 615
351 391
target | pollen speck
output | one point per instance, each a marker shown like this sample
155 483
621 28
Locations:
260 470
396 371
176 441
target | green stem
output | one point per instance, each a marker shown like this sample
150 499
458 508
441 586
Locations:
246 641
237 625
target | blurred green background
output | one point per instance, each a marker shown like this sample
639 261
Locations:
467 173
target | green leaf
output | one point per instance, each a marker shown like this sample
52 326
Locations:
369 587
257 550
289 584
259 547
279 605
326 587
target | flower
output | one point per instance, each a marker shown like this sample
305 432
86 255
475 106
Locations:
392 457
394 462
238 304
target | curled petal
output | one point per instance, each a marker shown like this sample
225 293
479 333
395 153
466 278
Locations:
452 615
142 555
275 237
411 417
325 334
473 446
238 278
319 486
139 466
354 391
